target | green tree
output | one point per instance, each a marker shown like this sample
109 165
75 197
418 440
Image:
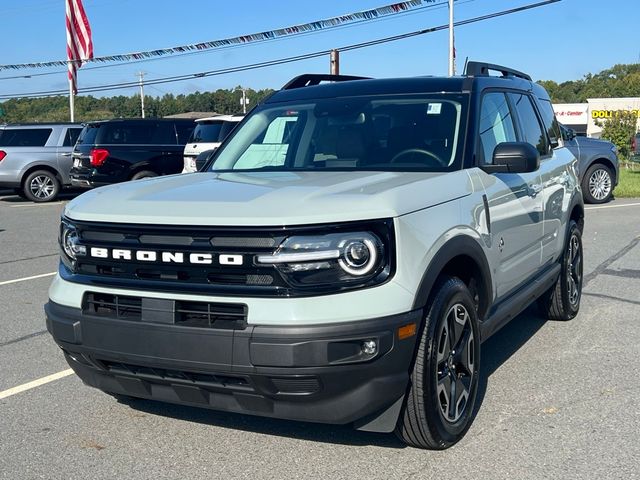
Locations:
619 130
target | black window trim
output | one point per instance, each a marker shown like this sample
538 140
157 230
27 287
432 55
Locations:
537 107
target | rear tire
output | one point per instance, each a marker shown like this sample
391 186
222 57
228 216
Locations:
439 404
597 184
562 301
144 174
41 186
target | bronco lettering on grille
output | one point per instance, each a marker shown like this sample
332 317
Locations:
165 257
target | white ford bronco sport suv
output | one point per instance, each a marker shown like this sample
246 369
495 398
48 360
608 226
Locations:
346 271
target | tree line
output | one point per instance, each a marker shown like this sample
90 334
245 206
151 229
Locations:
87 108
617 81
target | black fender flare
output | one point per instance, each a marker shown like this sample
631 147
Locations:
457 246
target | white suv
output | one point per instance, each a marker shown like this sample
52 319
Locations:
340 260
208 135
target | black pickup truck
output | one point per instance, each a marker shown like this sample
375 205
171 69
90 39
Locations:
115 151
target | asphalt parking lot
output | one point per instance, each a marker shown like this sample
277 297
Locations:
559 400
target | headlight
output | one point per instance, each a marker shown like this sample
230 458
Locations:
334 259
69 241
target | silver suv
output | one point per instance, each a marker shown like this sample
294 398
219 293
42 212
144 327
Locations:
35 159
341 259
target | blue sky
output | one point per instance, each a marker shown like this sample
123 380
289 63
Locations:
559 42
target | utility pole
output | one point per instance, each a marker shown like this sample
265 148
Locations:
243 100
452 55
141 75
334 62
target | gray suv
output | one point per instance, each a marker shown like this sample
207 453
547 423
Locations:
35 159
341 258
598 165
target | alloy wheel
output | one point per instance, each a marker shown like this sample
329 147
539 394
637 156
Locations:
455 369
574 270
600 184
42 186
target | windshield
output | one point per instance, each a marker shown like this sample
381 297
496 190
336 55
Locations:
354 133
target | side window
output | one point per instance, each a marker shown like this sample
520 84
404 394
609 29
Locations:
71 137
163 134
530 129
25 137
496 124
550 122
184 131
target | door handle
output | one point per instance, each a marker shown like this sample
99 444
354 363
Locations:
66 154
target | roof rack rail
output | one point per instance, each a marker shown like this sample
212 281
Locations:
311 79
477 69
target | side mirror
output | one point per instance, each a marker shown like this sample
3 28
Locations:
571 134
514 157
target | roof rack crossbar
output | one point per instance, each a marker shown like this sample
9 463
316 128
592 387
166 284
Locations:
477 69
311 79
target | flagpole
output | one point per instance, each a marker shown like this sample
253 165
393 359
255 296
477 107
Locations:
452 64
71 96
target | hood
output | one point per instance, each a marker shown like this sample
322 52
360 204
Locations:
588 142
267 198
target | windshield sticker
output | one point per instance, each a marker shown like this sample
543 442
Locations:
434 109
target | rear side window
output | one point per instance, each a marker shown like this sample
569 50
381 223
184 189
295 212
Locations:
227 128
148 133
496 124
208 132
71 137
549 120
530 128
88 135
184 131
24 137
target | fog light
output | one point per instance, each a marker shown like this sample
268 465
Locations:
369 347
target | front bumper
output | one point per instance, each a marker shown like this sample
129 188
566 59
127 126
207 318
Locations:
314 373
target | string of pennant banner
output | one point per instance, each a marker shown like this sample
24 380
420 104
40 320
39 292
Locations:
387 10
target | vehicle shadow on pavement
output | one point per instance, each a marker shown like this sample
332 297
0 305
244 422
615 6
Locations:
315 432
10 197
497 350
501 346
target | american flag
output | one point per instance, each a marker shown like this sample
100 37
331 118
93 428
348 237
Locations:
79 44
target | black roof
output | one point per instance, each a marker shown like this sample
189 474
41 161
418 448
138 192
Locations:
476 78
39 124
401 86
141 120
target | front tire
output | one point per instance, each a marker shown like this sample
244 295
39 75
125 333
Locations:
41 186
562 301
440 401
597 184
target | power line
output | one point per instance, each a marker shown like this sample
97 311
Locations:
434 6
293 30
280 61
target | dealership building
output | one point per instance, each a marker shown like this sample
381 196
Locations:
582 117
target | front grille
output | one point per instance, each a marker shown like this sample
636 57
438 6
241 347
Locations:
202 260
226 316
163 375
183 275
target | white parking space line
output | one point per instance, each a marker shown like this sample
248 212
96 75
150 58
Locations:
46 204
35 383
613 206
16 280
